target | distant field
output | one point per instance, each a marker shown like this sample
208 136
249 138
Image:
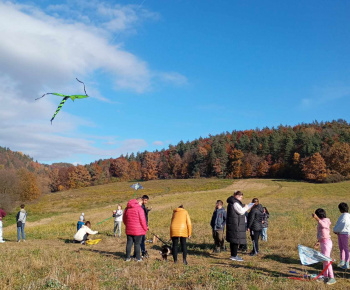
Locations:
47 260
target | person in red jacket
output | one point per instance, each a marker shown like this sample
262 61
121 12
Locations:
135 227
2 215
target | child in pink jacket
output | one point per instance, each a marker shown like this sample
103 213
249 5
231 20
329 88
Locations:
324 240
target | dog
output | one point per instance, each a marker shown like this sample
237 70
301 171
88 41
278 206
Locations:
165 252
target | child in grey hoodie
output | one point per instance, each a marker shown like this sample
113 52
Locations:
218 222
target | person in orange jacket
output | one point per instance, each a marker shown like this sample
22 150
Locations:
180 228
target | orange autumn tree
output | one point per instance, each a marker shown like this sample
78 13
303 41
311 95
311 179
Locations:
263 168
28 185
149 167
78 176
338 158
120 168
235 164
314 168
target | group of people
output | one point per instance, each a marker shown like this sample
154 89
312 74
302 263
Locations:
342 230
237 222
21 218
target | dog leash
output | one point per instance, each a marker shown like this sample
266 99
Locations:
160 239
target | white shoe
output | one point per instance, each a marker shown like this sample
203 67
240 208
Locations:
341 264
2 241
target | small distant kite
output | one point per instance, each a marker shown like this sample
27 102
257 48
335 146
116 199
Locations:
65 98
136 186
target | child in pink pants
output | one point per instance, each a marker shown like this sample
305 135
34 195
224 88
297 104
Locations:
324 240
342 229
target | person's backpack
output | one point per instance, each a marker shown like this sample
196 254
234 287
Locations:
21 216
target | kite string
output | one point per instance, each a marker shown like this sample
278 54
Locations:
302 279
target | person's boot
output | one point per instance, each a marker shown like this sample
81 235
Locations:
185 262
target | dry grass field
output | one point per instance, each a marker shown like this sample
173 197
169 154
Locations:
48 259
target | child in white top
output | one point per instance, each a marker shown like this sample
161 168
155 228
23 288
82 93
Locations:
342 230
118 215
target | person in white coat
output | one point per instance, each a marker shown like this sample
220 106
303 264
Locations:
83 233
342 230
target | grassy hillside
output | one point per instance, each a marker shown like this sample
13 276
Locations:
48 260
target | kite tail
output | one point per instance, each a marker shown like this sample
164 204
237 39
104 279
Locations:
83 84
59 107
43 96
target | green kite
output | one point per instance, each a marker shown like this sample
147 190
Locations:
65 98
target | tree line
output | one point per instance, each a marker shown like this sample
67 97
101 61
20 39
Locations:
317 152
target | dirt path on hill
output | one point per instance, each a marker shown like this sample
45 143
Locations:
249 184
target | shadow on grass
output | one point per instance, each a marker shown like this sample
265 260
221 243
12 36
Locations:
106 253
68 241
288 180
192 249
281 259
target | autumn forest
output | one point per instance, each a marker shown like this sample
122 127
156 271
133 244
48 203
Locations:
316 152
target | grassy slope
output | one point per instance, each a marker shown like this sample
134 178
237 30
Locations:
46 260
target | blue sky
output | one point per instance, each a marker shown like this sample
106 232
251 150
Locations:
158 72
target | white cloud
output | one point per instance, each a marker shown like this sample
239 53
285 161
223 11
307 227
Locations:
173 77
158 143
325 95
41 49
45 50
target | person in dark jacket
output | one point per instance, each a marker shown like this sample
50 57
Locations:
255 225
145 199
244 247
218 222
235 224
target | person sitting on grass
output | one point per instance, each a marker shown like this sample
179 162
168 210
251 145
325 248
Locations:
324 240
218 222
82 235
180 229
342 230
